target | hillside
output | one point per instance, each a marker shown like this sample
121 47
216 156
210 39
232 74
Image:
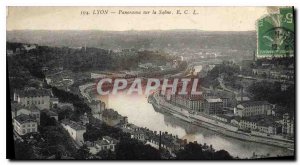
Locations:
169 41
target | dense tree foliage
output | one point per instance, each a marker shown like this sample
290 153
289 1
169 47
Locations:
197 152
131 149
83 59
45 121
97 131
56 142
80 106
23 151
106 155
83 153
229 72
272 93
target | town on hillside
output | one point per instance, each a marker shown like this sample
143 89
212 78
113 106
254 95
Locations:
55 113
151 83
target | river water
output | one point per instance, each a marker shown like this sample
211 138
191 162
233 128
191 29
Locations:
141 113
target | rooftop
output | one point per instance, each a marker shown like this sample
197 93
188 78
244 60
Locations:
109 139
95 102
239 98
33 92
73 124
214 100
102 142
262 120
254 103
106 140
225 116
17 106
54 99
24 119
196 97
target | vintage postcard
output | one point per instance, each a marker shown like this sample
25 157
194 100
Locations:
151 83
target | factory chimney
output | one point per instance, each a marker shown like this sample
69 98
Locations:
159 147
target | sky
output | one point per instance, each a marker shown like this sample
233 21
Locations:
70 18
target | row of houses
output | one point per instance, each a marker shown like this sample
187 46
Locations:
106 143
158 140
76 130
287 74
210 102
26 109
200 103
254 108
268 125
161 140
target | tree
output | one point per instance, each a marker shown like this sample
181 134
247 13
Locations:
131 149
272 93
56 141
46 120
23 151
191 152
194 151
106 155
222 155
83 153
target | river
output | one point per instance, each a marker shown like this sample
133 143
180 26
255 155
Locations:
141 113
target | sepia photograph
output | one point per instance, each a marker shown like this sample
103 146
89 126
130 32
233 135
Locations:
150 83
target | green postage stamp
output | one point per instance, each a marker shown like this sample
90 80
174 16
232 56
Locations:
275 34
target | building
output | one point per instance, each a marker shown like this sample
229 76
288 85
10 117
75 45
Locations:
287 125
84 119
113 118
146 66
192 102
225 101
224 118
75 130
107 143
134 131
264 72
282 74
54 102
65 106
24 124
253 108
29 47
18 109
9 52
213 106
268 127
164 140
97 107
262 124
235 120
241 99
248 124
98 76
38 97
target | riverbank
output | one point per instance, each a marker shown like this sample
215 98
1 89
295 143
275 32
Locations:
203 120
143 114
